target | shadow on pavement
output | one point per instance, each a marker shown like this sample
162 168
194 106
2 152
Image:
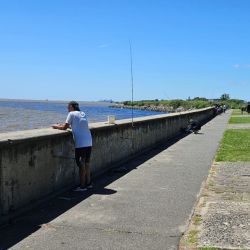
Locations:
33 220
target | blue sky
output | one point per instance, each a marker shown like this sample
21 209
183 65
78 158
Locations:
79 49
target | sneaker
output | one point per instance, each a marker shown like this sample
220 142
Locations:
80 189
90 185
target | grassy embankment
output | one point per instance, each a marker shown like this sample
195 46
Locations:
235 145
236 112
187 104
238 120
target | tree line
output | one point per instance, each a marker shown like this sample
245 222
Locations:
197 102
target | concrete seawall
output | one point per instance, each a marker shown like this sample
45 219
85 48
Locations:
37 163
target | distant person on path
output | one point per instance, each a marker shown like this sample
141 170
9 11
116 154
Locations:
248 107
193 126
224 108
78 122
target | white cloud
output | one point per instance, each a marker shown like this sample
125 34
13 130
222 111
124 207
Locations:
242 66
236 66
105 45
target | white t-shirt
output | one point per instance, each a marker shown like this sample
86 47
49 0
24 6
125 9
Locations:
80 129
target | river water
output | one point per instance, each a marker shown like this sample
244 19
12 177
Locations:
23 115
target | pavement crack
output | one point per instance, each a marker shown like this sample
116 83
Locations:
122 231
174 236
126 231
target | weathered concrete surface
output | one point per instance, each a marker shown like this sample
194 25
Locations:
38 163
226 223
223 209
145 206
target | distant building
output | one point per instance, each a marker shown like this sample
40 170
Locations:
106 100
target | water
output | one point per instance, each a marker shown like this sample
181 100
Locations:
22 115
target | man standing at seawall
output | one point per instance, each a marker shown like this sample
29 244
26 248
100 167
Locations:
83 142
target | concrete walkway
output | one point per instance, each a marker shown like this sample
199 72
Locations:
145 205
225 209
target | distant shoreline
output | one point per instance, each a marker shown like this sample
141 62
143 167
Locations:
92 103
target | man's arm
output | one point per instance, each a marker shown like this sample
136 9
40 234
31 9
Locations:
61 126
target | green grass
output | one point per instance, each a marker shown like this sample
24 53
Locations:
197 219
236 112
193 237
235 146
208 248
237 120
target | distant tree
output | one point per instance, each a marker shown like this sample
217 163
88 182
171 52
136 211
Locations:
200 99
225 97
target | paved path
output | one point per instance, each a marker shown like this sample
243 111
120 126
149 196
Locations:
145 206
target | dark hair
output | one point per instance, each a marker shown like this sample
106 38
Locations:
75 105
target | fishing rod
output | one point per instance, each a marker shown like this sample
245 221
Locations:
132 83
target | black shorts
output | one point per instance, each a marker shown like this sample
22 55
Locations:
82 155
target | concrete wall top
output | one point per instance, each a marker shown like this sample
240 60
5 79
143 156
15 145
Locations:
34 134
158 117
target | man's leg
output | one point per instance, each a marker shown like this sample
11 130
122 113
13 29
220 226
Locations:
80 162
82 175
87 167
